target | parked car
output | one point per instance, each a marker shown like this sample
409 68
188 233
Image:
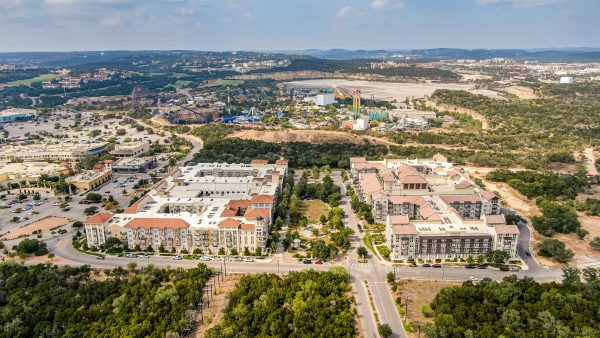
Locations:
482 266
436 265
514 270
486 279
470 266
426 265
177 258
100 258
238 259
473 279
527 253
143 256
318 261
307 261
205 258
504 268
249 259
130 255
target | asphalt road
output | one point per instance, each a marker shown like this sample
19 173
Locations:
373 272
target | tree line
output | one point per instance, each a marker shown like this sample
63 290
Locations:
301 304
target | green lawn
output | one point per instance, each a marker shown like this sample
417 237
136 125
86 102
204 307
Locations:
179 84
313 209
41 78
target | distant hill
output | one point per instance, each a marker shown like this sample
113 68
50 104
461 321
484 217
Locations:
550 54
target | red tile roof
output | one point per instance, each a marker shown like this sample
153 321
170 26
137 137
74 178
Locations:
495 219
369 183
133 208
405 230
399 219
506 229
229 222
263 199
99 218
245 226
463 185
158 223
257 161
254 213
488 195
413 179
282 162
358 159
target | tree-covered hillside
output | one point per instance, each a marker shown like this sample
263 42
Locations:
303 304
45 301
520 308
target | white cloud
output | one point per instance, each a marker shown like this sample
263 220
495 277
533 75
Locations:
113 20
184 11
348 12
60 2
519 3
385 4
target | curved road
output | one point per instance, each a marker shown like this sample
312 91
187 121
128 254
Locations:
373 272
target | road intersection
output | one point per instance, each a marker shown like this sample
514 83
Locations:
371 275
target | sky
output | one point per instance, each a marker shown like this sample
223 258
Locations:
65 25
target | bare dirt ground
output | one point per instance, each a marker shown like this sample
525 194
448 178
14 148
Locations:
214 313
415 294
380 90
312 136
447 107
509 196
584 254
326 136
590 154
44 224
521 92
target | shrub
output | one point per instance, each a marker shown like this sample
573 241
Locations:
556 249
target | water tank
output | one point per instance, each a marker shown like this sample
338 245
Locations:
567 80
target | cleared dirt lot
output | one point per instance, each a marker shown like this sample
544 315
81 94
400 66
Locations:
214 313
312 136
44 225
415 294
450 108
521 92
380 90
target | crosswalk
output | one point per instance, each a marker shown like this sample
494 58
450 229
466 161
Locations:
363 265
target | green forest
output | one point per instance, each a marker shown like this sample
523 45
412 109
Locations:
47 301
300 154
302 304
520 308
561 122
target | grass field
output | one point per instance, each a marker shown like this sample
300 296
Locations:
179 84
313 209
41 78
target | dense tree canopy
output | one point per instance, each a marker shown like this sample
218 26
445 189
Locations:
520 308
535 184
45 301
303 304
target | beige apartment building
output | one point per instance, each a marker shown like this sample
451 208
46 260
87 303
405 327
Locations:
208 206
431 209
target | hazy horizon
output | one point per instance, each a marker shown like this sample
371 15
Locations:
295 25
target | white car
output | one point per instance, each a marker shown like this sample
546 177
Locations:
473 279
249 259
177 258
205 258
